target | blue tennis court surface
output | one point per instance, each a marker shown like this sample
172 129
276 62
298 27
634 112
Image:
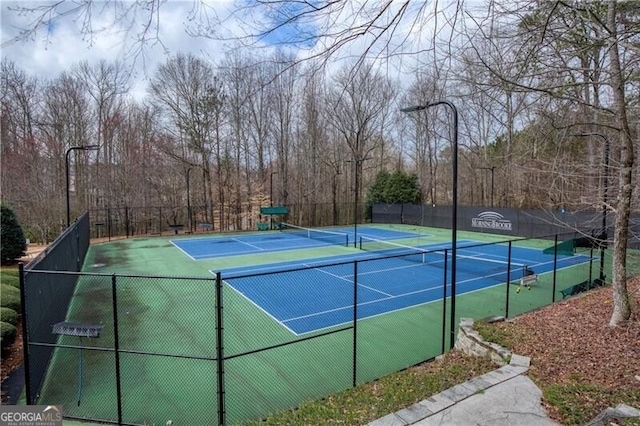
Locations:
221 246
312 299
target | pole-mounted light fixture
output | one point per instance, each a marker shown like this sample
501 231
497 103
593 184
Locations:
454 213
356 162
271 198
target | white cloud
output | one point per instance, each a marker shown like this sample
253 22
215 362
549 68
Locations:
49 53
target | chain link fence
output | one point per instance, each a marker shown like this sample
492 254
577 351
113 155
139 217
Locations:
509 222
117 222
125 221
230 349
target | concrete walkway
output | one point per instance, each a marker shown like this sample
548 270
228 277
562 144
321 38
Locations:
502 397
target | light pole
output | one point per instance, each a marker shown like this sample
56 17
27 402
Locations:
66 156
189 202
356 162
492 168
334 193
271 198
454 213
605 183
271 188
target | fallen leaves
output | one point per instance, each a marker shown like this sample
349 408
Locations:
571 343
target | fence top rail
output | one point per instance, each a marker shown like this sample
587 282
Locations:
119 275
59 239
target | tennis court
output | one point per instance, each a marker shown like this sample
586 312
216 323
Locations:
289 238
320 294
278 327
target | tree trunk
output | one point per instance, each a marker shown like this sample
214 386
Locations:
621 307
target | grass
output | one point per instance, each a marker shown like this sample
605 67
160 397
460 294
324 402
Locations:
494 334
365 403
569 399
575 390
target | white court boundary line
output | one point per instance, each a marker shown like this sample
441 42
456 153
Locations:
440 287
389 296
260 250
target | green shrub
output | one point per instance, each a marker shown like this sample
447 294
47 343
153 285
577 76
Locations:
8 315
9 271
13 245
9 297
7 334
7 277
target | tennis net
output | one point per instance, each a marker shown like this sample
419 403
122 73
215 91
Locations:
331 237
484 267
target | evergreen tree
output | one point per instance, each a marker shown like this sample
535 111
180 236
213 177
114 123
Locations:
14 244
395 188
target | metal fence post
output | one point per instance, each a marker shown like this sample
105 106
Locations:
555 268
506 308
116 346
452 337
444 302
220 350
590 266
355 323
25 334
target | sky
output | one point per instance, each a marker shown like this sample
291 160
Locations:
58 46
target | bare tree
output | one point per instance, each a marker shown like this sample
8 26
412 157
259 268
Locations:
621 307
425 150
22 168
66 122
310 153
250 111
105 83
138 21
19 100
187 89
551 60
284 100
539 65
357 110
246 113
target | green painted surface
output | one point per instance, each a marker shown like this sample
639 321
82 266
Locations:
167 336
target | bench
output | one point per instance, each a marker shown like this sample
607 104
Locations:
575 289
526 281
263 226
583 286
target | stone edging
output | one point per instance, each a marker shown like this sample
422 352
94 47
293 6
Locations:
439 402
470 342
